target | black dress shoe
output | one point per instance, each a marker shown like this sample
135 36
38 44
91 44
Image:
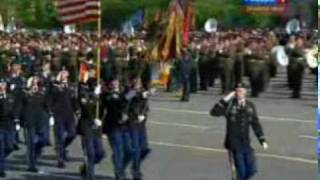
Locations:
83 171
2 174
61 165
34 170
295 96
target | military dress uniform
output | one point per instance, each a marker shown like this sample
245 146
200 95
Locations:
90 130
185 76
16 83
115 126
47 80
258 71
296 70
240 116
138 114
204 68
194 72
63 106
8 113
35 106
226 64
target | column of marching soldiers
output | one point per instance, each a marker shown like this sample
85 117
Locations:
43 87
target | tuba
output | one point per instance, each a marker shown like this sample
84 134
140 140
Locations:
293 26
311 57
280 55
211 25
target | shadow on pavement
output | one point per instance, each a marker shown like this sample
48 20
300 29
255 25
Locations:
55 176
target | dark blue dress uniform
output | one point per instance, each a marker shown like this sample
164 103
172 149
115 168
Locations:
138 113
91 134
47 80
16 84
35 105
115 126
239 120
8 112
63 105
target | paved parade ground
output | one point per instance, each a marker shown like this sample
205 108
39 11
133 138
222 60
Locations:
188 144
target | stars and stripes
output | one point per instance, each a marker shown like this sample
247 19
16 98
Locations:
78 11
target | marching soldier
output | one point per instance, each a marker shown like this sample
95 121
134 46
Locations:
194 70
226 64
9 115
296 67
258 70
16 82
63 107
185 74
47 79
138 113
89 127
241 115
35 105
115 125
204 68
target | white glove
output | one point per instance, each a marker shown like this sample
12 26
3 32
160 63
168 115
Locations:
265 146
152 91
229 96
51 121
98 122
145 94
141 118
97 90
124 118
131 94
18 127
12 87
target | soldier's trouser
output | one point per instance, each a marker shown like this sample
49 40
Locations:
193 80
245 163
65 133
203 78
6 147
140 150
121 145
144 143
185 90
296 76
46 129
35 143
94 153
227 76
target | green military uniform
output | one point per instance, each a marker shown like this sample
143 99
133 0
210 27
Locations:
258 73
239 67
226 65
194 72
295 70
204 69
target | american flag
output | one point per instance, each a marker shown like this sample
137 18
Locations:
78 11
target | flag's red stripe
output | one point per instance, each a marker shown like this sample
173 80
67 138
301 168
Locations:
82 20
80 3
79 11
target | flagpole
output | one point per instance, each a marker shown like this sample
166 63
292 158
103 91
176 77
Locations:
98 60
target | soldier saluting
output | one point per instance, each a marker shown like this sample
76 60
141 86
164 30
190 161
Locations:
241 114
